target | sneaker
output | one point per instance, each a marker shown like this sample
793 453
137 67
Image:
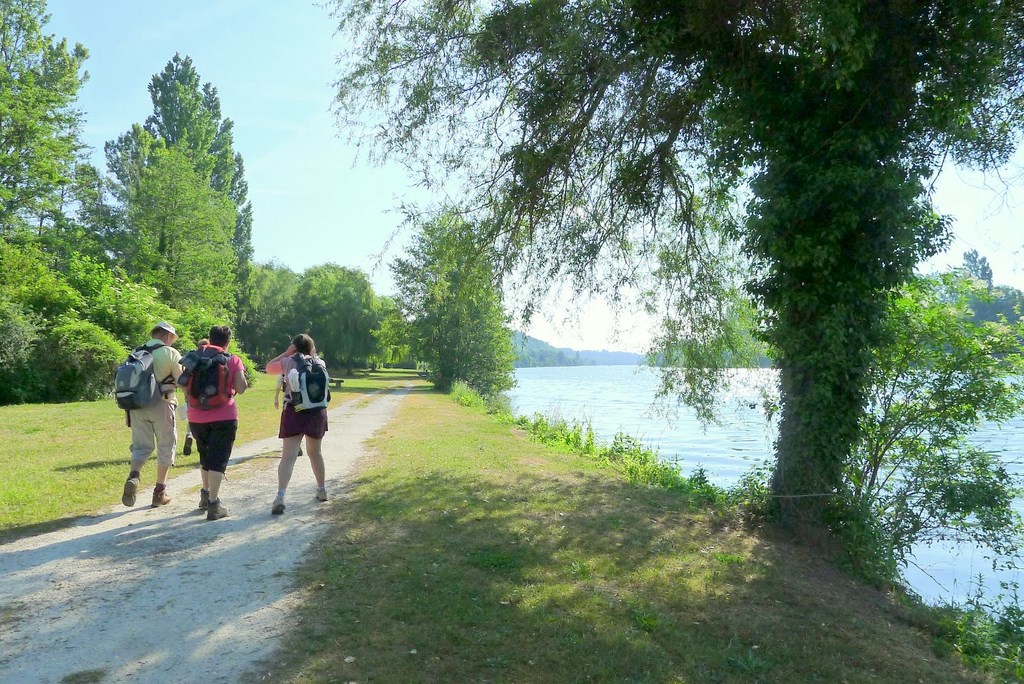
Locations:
278 507
187 450
131 488
215 511
321 495
204 499
160 498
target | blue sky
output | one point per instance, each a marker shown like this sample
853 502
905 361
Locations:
272 63
314 199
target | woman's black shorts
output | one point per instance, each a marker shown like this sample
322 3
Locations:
215 441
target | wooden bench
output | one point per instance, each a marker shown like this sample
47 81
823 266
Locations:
336 383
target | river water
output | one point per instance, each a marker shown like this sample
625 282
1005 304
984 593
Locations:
622 399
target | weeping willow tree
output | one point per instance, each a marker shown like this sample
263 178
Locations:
769 158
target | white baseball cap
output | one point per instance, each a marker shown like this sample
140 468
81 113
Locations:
164 325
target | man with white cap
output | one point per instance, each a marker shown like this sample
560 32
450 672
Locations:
157 421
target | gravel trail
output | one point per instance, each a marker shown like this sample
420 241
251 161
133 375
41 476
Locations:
157 595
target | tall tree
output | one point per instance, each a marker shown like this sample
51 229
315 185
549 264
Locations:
181 239
39 81
187 117
393 334
590 131
978 267
448 294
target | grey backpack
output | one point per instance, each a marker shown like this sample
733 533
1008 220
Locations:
135 385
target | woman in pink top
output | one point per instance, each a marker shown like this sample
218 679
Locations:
215 428
309 423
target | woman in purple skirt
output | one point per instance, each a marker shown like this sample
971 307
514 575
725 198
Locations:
308 423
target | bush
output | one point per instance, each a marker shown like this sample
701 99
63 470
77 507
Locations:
914 476
753 493
464 395
19 330
986 634
495 404
499 405
77 361
125 309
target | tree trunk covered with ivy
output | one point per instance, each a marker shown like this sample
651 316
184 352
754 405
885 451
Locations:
839 217
658 144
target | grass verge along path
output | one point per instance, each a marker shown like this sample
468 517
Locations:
59 462
466 552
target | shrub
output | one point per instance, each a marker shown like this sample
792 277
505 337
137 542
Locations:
19 330
464 395
78 359
914 476
988 634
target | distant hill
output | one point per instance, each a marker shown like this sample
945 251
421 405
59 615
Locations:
532 352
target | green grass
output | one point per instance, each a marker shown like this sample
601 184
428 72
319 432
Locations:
62 461
467 552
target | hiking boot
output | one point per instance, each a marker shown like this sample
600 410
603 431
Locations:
160 498
187 449
131 488
321 495
204 499
278 507
215 511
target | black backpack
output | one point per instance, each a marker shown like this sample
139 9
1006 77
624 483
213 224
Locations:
135 385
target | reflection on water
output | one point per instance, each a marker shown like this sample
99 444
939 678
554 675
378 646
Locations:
621 399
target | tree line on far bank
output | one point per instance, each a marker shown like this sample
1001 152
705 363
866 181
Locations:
531 352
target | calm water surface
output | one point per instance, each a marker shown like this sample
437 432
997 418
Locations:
621 399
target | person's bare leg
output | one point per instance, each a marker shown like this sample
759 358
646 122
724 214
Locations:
289 452
214 478
316 460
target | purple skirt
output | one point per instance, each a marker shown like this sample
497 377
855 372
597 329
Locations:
310 423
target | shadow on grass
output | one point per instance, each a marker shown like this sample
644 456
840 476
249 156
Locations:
395 374
525 578
91 465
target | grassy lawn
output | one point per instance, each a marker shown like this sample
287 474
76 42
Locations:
466 553
61 461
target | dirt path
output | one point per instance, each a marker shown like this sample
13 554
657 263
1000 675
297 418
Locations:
162 595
